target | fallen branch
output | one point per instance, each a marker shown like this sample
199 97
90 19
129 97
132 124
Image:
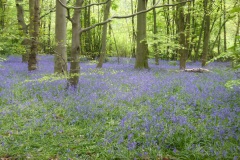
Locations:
198 70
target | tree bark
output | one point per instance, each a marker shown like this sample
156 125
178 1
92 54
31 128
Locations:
142 47
206 38
133 7
76 47
188 30
224 27
236 39
2 16
60 58
155 46
34 7
23 28
104 36
182 38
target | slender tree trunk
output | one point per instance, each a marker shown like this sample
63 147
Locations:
224 27
49 31
220 28
34 7
188 30
104 36
199 41
218 35
182 38
219 39
237 39
2 15
88 43
193 31
133 31
23 28
168 27
60 58
206 38
155 46
76 47
142 47
174 28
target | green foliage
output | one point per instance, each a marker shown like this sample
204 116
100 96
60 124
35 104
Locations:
233 55
1 60
172 63
10 45
162 41
11 38
235 9
232 83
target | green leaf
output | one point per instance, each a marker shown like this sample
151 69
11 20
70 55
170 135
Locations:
232 83
235 9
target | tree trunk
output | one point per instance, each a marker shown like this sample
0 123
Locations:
199 41
76 47
88 38
206 38
224 27
155 46
168 25
142 47
182 38
104 36
236 39
60 58
49 41
2 15
133 7
188 30
34 7
23 28
219 37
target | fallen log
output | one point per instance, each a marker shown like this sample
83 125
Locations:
198 70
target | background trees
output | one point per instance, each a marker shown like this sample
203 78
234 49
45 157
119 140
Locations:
187 30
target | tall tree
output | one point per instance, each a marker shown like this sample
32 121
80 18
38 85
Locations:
23 28
224 27
60 58
142 46
155 47
237 39
104 36
181 32
34 8
2 13
76 47
133 8
207 8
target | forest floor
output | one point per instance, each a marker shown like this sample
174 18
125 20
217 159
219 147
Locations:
118 112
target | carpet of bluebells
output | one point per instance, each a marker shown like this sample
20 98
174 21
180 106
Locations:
118 112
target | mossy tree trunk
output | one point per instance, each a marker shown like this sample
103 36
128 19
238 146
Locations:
142 46
34 7
104 36
23 28
180 21
76 47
